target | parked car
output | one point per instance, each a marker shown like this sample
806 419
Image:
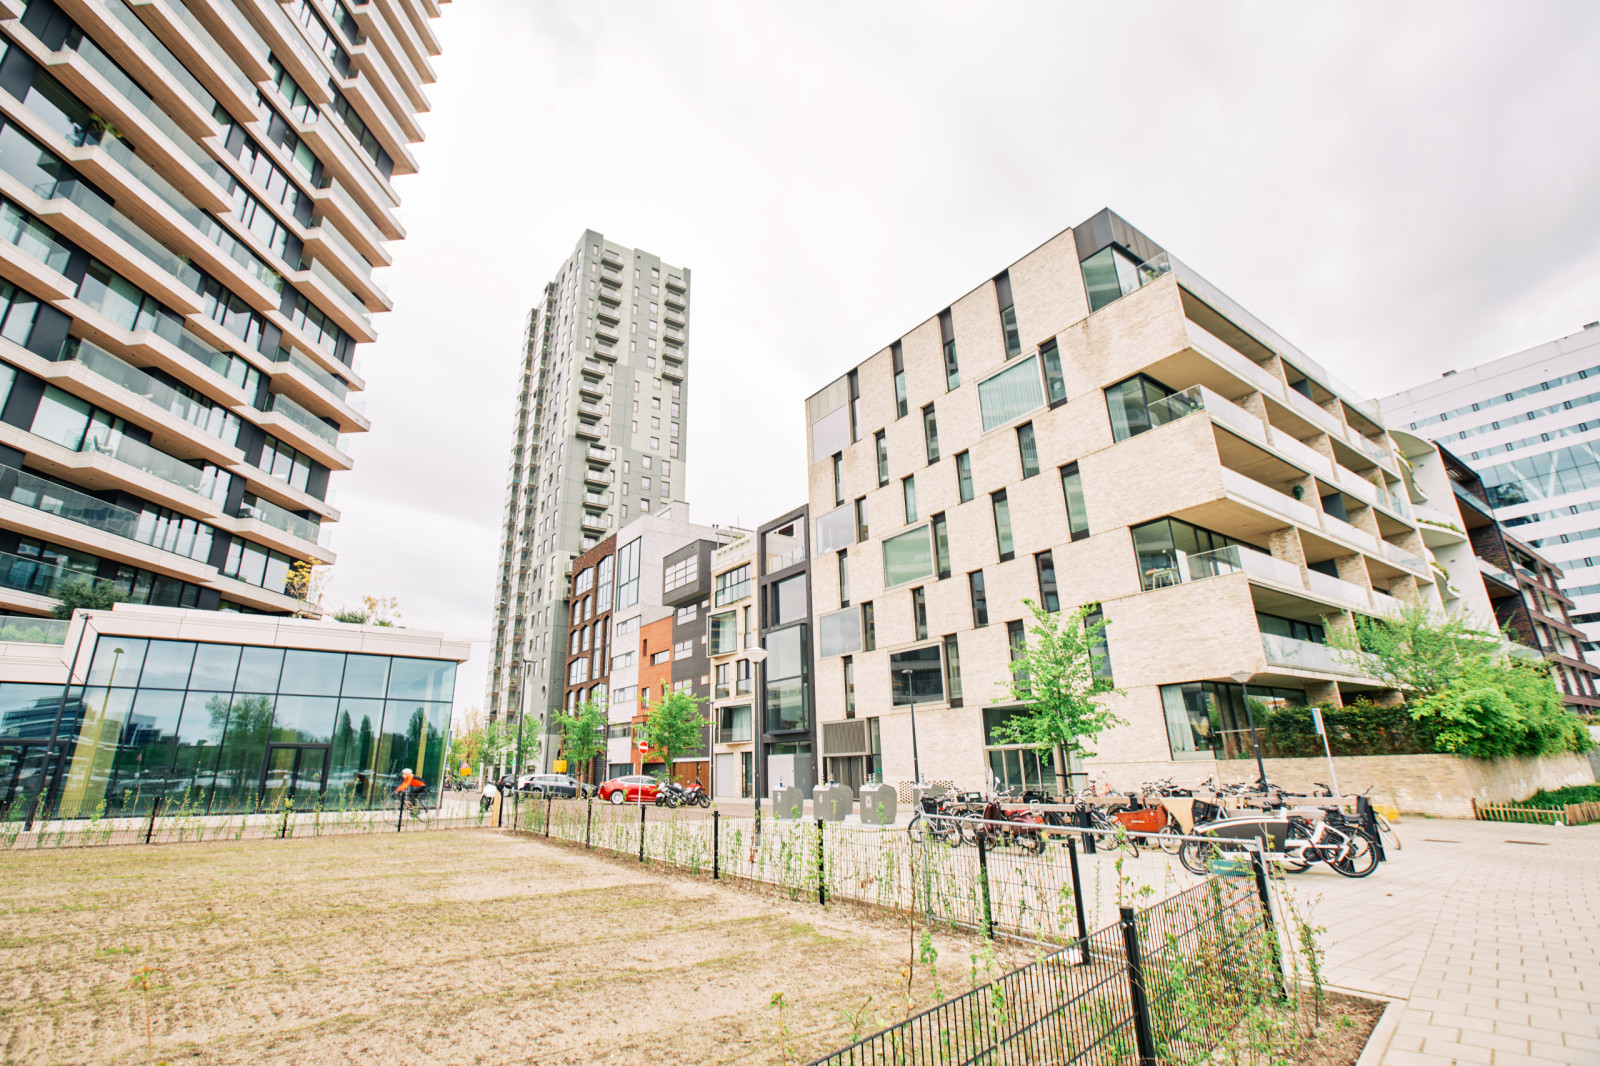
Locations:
555 784
632 788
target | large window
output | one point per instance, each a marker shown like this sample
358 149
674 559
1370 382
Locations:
786 680
1110 274
628 573
683 572
1010 394
1207 720
733 585
733 724
602 596
907 557
1128 403
1171 551
1013 765
836 529
788 600
916 676
724 633
838 633
1072 489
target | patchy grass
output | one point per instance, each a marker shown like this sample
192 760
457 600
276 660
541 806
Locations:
458 947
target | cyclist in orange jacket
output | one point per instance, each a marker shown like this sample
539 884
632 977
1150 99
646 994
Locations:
410 787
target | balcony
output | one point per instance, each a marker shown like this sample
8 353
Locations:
1404 559
1342 530
596 523
672 370
101 441
587 430
783 561
593 410
281 519
1227 413
1233 559
610 258
210 419
594 499
291 410
590 388
1307 655
1255 492
21 630
595 368
599 477
1340 591
1494 573
602 455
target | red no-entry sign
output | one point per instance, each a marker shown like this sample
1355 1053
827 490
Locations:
644 747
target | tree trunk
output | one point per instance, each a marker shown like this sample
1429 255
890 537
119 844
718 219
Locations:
1061 772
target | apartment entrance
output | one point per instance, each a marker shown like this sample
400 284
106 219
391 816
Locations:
296 774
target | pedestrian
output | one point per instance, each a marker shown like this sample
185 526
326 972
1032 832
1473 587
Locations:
490 794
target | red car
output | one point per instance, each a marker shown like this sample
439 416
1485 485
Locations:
634 788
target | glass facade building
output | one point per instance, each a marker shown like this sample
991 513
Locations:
216 728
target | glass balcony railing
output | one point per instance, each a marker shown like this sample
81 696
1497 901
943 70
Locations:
279 518
101 440
18 629
34 576
335 387
216 421
1164 570
30 490
280 403
100 209
345 296
784 560
329 232
1307 655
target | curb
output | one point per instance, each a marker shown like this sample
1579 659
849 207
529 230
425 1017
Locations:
1383 1031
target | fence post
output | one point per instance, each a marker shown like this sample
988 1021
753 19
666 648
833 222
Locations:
1144 1032
822 875
283 830
716 826
757 837
1085 822
1259 861
983 884
154 807
549 798
1077 902
588 821
400 817
642 809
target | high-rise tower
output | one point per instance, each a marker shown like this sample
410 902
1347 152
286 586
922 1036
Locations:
600 436
193 196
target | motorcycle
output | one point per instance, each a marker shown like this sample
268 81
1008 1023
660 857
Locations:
671 795
695 796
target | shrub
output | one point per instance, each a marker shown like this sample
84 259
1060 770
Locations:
1497 709
1361 728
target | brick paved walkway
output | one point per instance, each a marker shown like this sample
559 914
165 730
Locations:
1490 933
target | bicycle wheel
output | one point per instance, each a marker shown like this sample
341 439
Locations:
1031 841
1385 829
1196 855
918 828
1357 858
1167 839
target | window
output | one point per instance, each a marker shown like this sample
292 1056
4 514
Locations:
622 660
1207 719
980 600
838 633
1295 629
681 573
915 676
834 529
685 614
724 685
861 519
786 680
602 596
1010 394
838 479
683 649
1028 449
869 628
1055 385
1017 638
908 494
1094 626
724 633
919 613
1110 274
1045 565
733 585
947 335
952 670
1072 489
941 546
1129 404
930 433
628 573
898 358
1008 314
849 687
1171 551
882 444
907 557
644 484
854 382
741 672
844 579
660 657
733 726
1002 524
788 600
964 475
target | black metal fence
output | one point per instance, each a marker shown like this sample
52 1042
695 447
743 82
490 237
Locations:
1162 983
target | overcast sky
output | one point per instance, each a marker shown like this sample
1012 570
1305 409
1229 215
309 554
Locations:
1398 189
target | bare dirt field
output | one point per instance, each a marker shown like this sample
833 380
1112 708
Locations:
459 947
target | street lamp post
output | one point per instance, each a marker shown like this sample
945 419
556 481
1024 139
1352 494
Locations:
1243 678
911 701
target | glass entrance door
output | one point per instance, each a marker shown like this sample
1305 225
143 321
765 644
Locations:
21 774
295 773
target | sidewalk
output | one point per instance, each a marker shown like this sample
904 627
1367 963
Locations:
1489 933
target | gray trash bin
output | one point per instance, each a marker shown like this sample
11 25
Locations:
832 803
878 805
787 803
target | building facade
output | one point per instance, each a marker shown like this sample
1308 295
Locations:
786 707
600 438
194 199
1527 424
212 713
1095 425
732 632
1509 586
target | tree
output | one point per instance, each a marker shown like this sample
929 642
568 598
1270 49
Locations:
1059 678
374 611
583 735
306 581
673 725
1502 706
1415 650
83 594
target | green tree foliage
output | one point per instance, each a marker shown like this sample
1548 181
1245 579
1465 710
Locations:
1059 681
583 736
1415 651
83 594
1502 707
673 725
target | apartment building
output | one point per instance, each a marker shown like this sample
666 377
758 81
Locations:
600 438
732 632
786 707
1095 424
1522 424
1509 586
194 195
639 606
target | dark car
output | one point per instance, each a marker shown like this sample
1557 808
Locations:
555 785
